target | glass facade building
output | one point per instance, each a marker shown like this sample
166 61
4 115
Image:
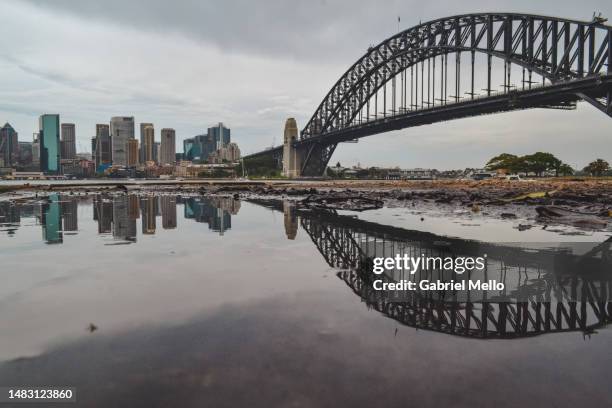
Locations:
9 146
220 134
49 139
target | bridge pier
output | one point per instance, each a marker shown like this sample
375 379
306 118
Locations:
292 160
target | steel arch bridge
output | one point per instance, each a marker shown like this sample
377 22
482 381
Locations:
418 76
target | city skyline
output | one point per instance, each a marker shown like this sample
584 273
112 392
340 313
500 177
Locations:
285 77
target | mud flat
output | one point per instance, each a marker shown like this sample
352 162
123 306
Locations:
586 203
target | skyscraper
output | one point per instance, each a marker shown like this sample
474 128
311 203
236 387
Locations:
148 137
132 153
156 152
49 139
68 141
199 147
70 209
168 211
124 227
149 212
168 147
121 130
103 154
36 151
51 218
142 155
220 134
25 153
9 146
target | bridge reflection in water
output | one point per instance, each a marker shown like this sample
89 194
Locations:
553 288
546 290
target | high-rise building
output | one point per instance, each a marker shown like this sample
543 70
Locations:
49 138
36 151
168 211
103 213
220 134
124 226
148 139
68 141
231 152
121 130
142 155
25 153
199 147
9 146
51 218
156 152
102 150
168 147
132 153
70 210
149 212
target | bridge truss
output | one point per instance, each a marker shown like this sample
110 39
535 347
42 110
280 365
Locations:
422 76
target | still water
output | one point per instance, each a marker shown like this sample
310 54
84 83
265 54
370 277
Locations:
144 300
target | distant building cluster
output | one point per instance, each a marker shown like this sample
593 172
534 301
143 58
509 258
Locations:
116 150
213 147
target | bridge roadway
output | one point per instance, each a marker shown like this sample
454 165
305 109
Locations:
559 95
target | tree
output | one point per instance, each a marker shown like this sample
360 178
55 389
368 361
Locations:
502 161
597 167
565 170
540 162
537 163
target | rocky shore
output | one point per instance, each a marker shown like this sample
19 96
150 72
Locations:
581 202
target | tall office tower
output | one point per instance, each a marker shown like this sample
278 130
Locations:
156 152
142 155
199 147
49 138
124 227
220 135
132 153
168 211
103 152
25 153
133 207
51 219
148 142
70 210
149 212
36 150
103 213
9 146
68 141
168 147
121 130
94 142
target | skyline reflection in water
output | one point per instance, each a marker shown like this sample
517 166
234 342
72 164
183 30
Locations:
200 305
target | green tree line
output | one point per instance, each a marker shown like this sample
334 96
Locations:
540 163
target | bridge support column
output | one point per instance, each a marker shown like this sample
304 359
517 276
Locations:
292 162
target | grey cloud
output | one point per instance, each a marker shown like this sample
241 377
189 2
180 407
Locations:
313 29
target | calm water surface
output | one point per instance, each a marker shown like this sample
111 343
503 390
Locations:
146 301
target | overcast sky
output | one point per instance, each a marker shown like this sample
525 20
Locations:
252 64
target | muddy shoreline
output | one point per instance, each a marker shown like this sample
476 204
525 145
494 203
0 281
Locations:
586 204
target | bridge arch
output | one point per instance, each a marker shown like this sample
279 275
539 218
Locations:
557 49
561 61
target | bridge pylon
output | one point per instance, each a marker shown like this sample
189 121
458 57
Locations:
291 158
